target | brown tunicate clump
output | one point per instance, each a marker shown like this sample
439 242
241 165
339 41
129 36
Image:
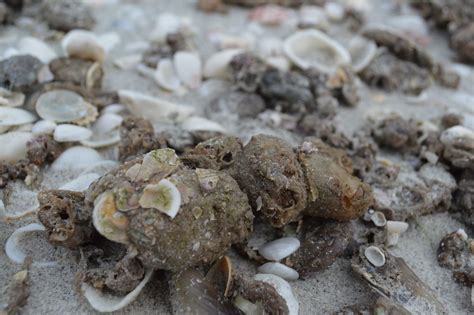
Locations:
456 252
268 171
463 42
19 73
247 70
67 15
391 74
137 136
42 150
322 242
216 153
396 133
324 129
333 193
65 217
464 196
160 50
246 105
85 73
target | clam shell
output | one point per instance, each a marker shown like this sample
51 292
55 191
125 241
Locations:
77 158
195 123
10 98
61 106
280 270
217 66
13 145
375 256
43 127
278 249
188 68
71 133
312 48
165 75
83 45
37 48
283 288
80 183
10 116
362 51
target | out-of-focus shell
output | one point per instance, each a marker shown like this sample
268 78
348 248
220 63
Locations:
188 68
83 45
76 158
109 222
13 145
61 106
37 48
165 75
10 117
217 66
10 98
71 133
283 288
362 51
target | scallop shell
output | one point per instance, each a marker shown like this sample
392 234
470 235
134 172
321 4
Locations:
165 75
71 133
61 106
83 45
13 145
188 68
10 98
10 117
362 51
217 66
312 48
37 48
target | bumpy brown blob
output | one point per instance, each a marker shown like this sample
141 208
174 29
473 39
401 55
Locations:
396 133
66 219
19 73
81 72
322 242
137 136
464 196
159 50
463 42
216 153
66 15
333 193
43 149
268 171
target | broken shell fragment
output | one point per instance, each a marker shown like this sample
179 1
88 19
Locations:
188 68
394 230
109 222
71 133
278 249
217 66
83 44
163 196
312 48
10 98
284 290
14 145
196 123
362 51
165 75
10 117
61 106
69 158
37 48
280 270
375 256
43 127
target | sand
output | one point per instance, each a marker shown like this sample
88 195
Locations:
53 290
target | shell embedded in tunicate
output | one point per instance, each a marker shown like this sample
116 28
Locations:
163 196
165 75
375 256
61 106
83 44
284 290
312 48
10 98
188 68
10 117
362 51
107 220
378 218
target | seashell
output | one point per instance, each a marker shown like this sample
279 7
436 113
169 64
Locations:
152 108
244 41
247 307
10 98
283 288
217 66
457 135
312 48
269 14
375 256
76 158
71 133
61 106
128 62
80 183
109 222
106 123
165 75
101 140
188 68
166 23
313 16
394 230
280 270
278 249
362 51
114 109
208 179
37 48
43 127
220 275
334 11
10 117
101 167
270 46
108 303
45 75
13 145
280 62
163 196
378 218
109 40
83 44
196 123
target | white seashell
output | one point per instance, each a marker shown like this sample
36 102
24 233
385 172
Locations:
270 46
394 230
15 254
312 48
375 256
77 158
283 288
105 304
71 133
10 116
109 40
188 68
61 106
313 16
101 141
280 270
362 51
280 62
245 41
101 167
80 183
45 74
334 11
278 249
153 198
13 145
146 71
10 52
165 75
378 218
152 108
167 23
408 24
462 234
456 135
109 222
10 98
83 44
114 109
128 62
195 123
43 127
217 64
106 123
37 48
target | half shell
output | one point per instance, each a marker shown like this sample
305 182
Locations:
188 68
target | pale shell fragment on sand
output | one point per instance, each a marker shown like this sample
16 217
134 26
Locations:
61 106
83 44
312 48
196 123
163 196
165 75
278 249
280 270
362 51
13 145
43 127
37 48
107 220
77 158
394 230
80 183
105 304
375 256
283 288
10 116
217 65
188 68
10 98
71 133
